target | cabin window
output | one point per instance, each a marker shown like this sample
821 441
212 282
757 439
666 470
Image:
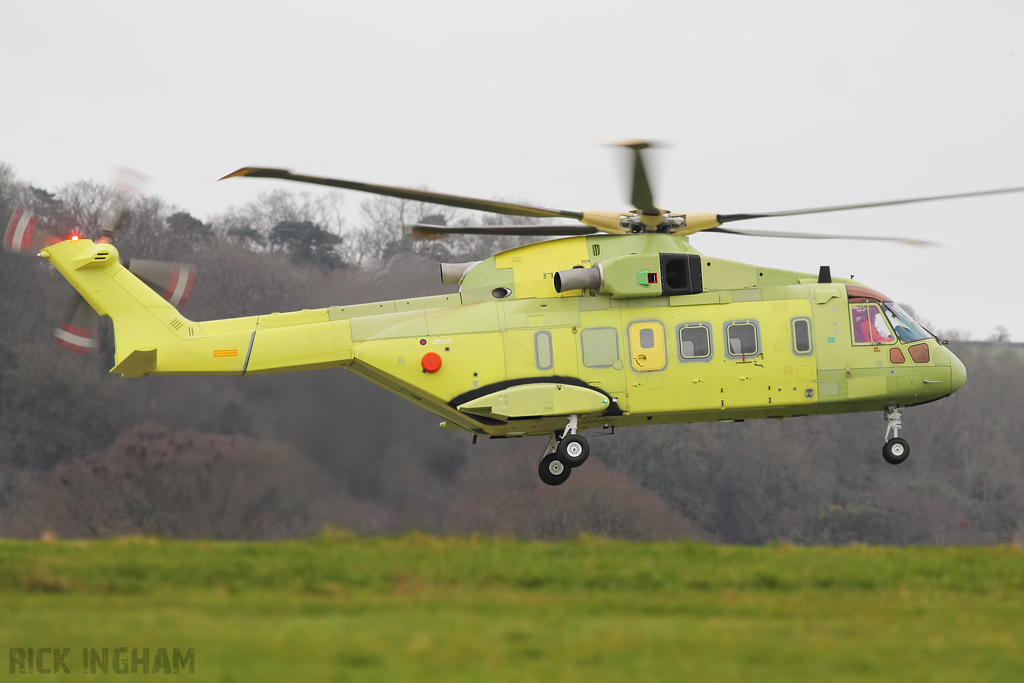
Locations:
741 339
694 342
600 346
801 336
905 326
920 353
869 326
542 345
647 346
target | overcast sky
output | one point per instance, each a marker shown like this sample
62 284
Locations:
764 106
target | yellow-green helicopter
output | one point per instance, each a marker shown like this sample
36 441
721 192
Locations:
620 322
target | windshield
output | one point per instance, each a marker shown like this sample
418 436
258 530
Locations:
905 326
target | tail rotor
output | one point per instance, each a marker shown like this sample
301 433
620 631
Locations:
28 232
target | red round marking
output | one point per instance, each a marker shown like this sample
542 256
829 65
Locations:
431 362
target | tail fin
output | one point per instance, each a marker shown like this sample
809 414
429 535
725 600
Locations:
150 334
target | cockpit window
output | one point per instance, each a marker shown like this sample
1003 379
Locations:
906 328
869 326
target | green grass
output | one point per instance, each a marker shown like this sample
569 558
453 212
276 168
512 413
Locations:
419 608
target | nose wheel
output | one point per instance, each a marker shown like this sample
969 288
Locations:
564 452
896 450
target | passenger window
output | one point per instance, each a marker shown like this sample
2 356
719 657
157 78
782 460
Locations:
741 339
600 346
801 336
869 326
694 342
542 345
646 338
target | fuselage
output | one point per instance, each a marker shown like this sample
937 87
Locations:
505 355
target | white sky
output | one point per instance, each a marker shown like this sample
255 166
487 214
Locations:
766 106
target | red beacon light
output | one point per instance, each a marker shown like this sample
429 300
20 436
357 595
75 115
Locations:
74 238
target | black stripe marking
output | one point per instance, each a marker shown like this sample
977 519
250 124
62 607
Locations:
249 352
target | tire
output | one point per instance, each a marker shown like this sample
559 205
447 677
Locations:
552 470
573 450
896 451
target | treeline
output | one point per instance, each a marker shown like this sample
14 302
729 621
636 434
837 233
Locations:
84 453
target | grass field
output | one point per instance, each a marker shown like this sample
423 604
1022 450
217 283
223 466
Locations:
340 607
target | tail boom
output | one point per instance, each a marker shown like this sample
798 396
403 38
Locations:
152 337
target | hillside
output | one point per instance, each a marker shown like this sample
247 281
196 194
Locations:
280 456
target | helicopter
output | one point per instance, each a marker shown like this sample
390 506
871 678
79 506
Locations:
618 321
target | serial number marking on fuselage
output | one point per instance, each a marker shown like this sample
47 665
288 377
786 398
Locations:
447 340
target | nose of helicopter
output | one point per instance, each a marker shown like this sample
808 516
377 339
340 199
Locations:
958 373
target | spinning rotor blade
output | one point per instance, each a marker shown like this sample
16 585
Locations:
173 281
20 231
428 231
129 183
77 329
645 217
729 217
505 208
821 236
22 237
642 197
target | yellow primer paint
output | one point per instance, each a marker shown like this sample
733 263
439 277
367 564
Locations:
518 364
647 346
534 265
539 400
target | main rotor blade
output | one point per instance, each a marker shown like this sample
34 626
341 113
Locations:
489 205
729 217
641 196
428 230
821 236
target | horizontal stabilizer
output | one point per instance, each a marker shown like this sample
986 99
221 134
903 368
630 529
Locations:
137 363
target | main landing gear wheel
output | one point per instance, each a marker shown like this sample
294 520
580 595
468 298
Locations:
896 450
573 450
553 471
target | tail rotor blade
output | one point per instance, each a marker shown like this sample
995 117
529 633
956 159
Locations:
173 281
129 183
77 330
20 231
